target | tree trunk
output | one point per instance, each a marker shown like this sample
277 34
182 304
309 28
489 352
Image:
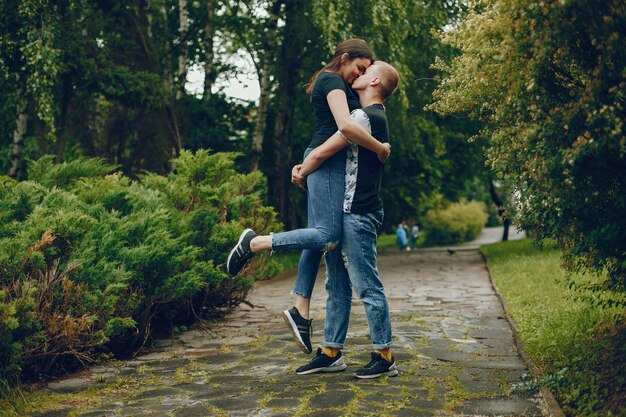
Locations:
183 29
267 58
501 210
21 123
286 102
169 111
209 53
94 123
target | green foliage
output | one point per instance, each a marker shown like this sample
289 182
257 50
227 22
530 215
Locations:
40 57
458 222
430 155
572 333
44 172
548 81
92 261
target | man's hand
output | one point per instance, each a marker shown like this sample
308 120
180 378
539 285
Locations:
384 154
297 178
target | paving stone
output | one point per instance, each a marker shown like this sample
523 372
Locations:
96 414
486 333
154 393
492 387
246 402
412 412
191 387
325 413
265 413
131 411
283 403
211 393
496 363
222 358
70 385
168 364
331 399
196 410
500 406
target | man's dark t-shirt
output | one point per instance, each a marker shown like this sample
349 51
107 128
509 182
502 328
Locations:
365 196
325 125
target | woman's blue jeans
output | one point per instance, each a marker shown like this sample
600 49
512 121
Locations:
354 266
325 189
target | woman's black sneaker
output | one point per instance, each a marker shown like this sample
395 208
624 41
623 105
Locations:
378 367
241 253
323 363
301 329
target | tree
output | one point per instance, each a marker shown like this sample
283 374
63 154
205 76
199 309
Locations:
30 60
421 169
548 81
264 71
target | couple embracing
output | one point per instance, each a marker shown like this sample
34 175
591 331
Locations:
341 171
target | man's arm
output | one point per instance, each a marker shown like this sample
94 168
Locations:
330 147
316 158
338 104
320 154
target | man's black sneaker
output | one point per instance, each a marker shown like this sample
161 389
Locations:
323 363
378 367
241 253
301 329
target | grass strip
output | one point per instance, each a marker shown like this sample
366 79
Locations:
571 328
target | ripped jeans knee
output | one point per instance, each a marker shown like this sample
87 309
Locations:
344 258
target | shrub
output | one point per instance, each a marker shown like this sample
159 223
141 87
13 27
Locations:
459 222
93 263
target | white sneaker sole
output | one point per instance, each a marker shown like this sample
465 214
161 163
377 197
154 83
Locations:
295 332
230 255
337 366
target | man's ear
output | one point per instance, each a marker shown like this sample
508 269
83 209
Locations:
375 81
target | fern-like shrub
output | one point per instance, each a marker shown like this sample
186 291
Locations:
93 263
459 222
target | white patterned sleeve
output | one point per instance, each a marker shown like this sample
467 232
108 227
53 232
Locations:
362 119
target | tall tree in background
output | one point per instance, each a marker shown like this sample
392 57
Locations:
264 71
183 64
30 62
288 71
548 80
209 49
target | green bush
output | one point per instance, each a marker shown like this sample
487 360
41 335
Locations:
459 222
93 263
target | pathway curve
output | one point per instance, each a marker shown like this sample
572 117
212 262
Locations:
454 347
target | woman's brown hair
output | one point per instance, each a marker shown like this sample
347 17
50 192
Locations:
355 48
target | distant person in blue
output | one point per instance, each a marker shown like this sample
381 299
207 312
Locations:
401 238
415 232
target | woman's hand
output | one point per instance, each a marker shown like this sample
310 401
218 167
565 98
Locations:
383 155
297 178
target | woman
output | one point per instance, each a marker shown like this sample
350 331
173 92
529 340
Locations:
332 100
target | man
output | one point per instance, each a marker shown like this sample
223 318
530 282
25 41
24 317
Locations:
353 265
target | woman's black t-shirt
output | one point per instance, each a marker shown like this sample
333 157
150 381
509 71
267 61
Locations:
325 125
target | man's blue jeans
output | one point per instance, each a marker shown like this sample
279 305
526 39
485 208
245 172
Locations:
325 188
354 266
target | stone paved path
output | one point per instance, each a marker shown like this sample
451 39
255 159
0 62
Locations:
454 348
